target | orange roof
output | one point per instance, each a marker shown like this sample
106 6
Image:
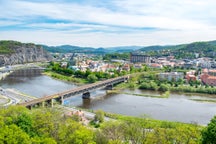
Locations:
191 75
211 78
212 70
155 65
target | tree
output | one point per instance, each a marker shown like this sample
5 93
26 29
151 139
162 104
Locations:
12 134
209 133
99 116
92 78
164 87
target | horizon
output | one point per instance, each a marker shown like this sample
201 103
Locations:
114 23
111 46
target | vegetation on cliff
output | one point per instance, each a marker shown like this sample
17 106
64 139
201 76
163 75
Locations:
8 46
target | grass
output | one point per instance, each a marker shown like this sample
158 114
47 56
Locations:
165 95
204 100
65 78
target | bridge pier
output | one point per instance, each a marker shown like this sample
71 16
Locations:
60 100
109 87
50 102
29 107
86 95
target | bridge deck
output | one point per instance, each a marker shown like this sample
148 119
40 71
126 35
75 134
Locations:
75 90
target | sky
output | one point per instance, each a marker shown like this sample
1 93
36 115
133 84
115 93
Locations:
107 23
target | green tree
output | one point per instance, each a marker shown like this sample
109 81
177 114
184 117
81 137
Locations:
209 133
12 134
164 87
99 116
92 78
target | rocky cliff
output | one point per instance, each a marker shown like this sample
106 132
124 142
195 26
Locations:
20 53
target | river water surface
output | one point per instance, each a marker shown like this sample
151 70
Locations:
178 107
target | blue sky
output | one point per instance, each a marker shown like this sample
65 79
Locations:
106 23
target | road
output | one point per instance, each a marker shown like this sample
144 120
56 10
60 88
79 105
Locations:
14 96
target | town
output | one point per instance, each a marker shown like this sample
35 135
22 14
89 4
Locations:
201 69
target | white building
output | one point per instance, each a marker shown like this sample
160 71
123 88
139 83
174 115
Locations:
171 76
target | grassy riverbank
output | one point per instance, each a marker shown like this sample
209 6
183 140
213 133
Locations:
65 78
164 95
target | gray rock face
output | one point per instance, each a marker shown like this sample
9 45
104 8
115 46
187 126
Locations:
25 54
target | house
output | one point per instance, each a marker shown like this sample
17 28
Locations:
190 77
107 67
209 77
64 64
137 66
155 65
170 76
126 67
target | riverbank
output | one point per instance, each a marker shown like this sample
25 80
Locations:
164 95
4 74
65 78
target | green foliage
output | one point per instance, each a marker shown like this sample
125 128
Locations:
92 78
99 116
116 56
209 133
140 130
19 125
151 86
78 76
163 87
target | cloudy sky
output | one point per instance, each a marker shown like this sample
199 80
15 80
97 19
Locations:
105 23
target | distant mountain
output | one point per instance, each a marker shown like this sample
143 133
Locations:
124 48
77 49
74 49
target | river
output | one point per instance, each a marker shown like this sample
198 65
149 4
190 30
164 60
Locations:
178 107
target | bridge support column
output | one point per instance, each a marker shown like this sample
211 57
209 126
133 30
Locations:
86 95
52 100
109 87
62 100
43 103
29 107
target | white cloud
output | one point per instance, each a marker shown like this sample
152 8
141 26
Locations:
120 23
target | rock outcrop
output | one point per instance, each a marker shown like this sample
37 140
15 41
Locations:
24 53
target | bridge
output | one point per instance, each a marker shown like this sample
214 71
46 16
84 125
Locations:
84 90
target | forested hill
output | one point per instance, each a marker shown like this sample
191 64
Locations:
77 49
184 50
74 49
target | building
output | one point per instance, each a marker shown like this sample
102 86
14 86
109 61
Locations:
190 77
155 65
139 58
208 77
170 76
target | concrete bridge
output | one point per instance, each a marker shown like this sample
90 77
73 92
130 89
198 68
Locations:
84 90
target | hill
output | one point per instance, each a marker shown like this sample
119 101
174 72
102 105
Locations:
77 49
13 52
74 49
184 50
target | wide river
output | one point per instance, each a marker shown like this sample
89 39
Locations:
178 107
